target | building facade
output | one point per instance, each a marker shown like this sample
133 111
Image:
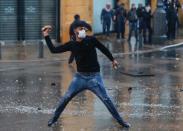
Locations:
22 20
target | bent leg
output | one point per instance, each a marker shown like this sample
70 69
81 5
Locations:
75 87
97 87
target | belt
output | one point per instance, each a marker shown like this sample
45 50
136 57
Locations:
88 73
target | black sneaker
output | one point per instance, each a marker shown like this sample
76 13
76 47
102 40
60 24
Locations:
51 122
126 124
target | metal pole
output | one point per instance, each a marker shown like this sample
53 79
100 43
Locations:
0 50
41 49
20 19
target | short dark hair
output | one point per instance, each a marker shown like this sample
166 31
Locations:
76 17
122 4
82 24
117 1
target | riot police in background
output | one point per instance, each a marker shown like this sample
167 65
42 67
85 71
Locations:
120 19
132 18
171 8
141 21
172 20
176 4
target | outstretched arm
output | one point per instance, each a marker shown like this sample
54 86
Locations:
59 49
103 49
106 52
53 49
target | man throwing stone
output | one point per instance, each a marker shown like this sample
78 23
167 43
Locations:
88 69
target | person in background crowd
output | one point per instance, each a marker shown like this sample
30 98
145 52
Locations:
120 20
106 18
165 5
172 20
147 23
72 36
132 18
177 5
141 12
169 5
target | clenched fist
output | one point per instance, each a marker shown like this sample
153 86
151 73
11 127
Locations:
46 29
115 64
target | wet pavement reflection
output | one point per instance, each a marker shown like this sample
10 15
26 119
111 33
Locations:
30 90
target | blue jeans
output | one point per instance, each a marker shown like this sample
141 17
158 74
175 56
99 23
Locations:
87 81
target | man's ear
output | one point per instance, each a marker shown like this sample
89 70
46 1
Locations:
75 32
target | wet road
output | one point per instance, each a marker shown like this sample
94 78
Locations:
30 90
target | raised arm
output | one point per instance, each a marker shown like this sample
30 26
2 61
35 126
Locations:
58 49
53 49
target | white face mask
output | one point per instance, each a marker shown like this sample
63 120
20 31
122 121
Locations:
82 34
148 8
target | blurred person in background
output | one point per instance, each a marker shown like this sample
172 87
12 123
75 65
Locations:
132 18
147 16
172 21
120 20
106 19
171 8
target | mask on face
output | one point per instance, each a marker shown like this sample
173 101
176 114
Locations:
148 8
82 34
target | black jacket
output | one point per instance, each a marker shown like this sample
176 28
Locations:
84 52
